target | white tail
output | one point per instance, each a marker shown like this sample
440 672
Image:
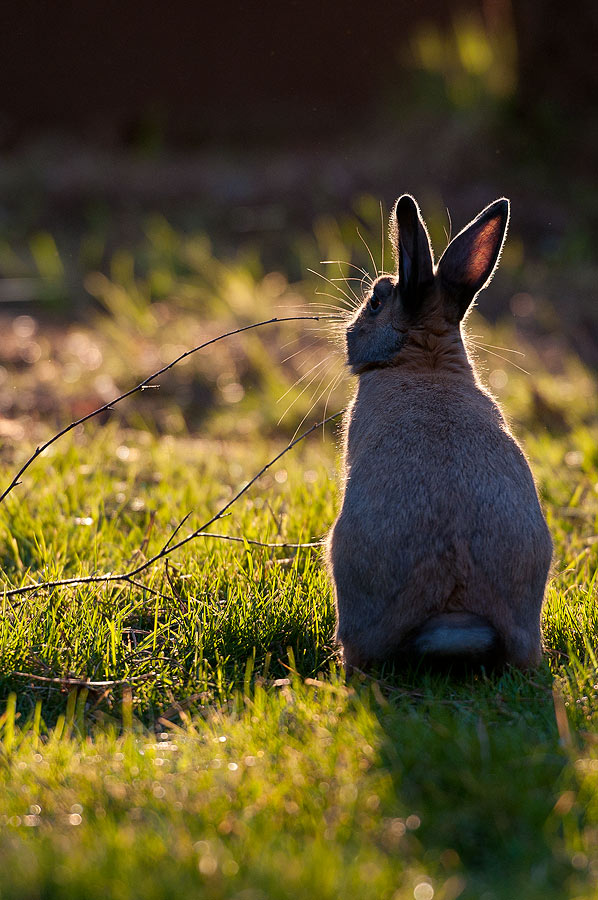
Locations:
455 634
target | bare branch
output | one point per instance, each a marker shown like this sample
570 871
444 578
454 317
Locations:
243 540
176 531
234 499
170 548
83 683
145 384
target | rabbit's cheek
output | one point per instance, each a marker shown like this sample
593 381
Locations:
366 346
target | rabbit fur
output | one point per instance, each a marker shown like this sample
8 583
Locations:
440 546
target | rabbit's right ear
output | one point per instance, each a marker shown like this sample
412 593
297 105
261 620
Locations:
469 261
412 247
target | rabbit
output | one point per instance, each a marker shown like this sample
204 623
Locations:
440 548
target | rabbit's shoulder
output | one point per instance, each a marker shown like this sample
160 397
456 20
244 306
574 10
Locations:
433 409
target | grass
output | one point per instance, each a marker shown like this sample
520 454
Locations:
228 757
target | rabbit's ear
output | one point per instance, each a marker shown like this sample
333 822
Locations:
412 246
469 261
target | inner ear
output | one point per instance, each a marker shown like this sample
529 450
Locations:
481 256
469 261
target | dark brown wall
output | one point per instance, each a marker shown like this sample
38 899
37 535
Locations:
200 69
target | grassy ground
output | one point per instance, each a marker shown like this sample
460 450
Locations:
227 756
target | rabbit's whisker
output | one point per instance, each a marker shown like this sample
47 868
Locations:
320 345
346 304
324 278
473 337
302 378
335 381
343 262
346 280
498 356
302 350
326 329
292 341
313 402
349 278
306 387
342 314
311 308
341 310
369 251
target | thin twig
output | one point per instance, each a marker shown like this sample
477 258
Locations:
176 531
143 386
145 587
243 540
82 682
229 537
167 550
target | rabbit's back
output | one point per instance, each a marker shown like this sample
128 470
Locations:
439 511
433 446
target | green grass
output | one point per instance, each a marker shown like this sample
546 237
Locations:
229 757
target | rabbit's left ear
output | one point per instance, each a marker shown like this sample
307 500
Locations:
469 261
412 246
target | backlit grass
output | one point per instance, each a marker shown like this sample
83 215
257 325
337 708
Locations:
227 756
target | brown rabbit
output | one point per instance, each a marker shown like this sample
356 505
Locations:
440 546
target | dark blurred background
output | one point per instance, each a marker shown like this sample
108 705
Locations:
193 74
259 124
194 108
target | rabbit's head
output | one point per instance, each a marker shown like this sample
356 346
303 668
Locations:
424 302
